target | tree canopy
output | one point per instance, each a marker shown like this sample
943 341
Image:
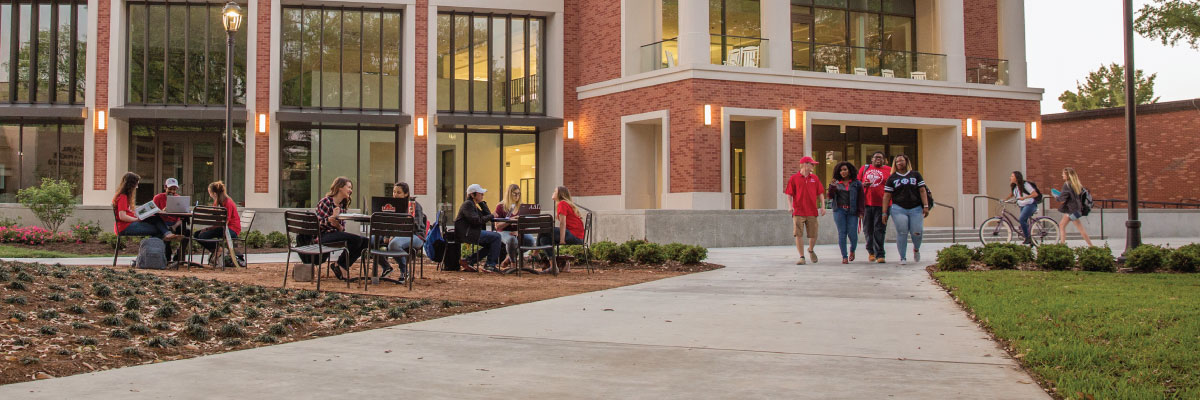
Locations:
1170 21
1105 88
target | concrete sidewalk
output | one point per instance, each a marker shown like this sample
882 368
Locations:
760 328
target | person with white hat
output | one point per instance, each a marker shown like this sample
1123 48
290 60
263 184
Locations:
170 188
470 226
807 197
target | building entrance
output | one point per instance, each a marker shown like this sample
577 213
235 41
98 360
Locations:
192 154
491 156
856 144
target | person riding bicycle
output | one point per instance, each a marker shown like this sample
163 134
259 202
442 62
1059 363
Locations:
1026 194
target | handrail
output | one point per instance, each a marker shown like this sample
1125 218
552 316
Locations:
953 221
866 48
674 39
739 37
1145 203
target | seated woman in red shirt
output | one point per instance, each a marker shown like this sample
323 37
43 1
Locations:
567 214
233 220
127 222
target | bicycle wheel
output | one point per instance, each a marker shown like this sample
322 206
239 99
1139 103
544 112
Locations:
1043 230
995 230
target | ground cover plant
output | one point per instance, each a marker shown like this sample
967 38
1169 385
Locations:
1092 335
88 239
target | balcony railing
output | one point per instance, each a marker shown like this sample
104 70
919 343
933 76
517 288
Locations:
864 61
660 54
738 51
988 71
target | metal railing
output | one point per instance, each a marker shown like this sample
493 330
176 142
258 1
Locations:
989 71
868 61
738 51
660 54
953 222
1109 203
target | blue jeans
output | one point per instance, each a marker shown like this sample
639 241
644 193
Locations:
153 227
213 233
847 226
1027 213
492 245
908 221
402 244
570 238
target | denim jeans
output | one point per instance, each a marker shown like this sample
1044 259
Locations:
570 238
874 230
213 233
1027 213
153 226
847 226
910 221
492 248
402 244
354 246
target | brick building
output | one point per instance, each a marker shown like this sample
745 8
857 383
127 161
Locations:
633 104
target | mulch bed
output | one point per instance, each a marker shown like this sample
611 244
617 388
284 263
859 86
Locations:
130 248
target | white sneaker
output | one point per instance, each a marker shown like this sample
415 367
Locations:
916 256
903 262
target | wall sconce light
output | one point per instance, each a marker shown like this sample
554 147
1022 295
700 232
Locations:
1033 129
708 114
842 128
101 120
570 129
262 123
792 118
420 126
885 131
970 127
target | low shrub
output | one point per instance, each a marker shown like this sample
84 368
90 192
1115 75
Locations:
953 258
611 252
1056 257
1146 258
650 253
1001 258
674 250
633 244
108 238
1185 259
86 231
278 240
256 239
52 201
692 255
576 251
30 235
1094 258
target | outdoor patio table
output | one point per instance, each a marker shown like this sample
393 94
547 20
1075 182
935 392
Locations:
365 220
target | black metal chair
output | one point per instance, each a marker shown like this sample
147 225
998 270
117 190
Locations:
204 218
304 223
536 225
587 240
247 219
384 226
120 238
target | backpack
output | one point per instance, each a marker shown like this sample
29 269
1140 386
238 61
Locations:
929 196
152 254
435 244
1085 202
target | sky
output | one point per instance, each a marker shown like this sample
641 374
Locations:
1066 39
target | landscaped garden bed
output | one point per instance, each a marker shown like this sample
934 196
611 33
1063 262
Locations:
1083 332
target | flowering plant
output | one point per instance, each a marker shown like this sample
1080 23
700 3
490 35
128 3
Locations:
31 235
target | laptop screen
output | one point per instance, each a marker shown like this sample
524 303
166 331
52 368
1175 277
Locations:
389 204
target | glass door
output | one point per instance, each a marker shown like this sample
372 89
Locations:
193 160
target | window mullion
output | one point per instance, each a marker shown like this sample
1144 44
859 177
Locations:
207 61
525 52
488 57
321 63
508 65
73 78
12 70
471 63
187 62
452 57
33 53
362 14
167 51
341 57
53 59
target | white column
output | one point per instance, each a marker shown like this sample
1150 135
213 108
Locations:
777 28
1011 19
693 32
951 41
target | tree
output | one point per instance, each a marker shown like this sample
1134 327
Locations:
1105 88
1170 21
52 202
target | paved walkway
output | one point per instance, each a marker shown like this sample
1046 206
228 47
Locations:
760 328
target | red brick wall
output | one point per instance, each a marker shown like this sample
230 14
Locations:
100 141
262 97
981 28
421 98
1168 144
594 168
600 35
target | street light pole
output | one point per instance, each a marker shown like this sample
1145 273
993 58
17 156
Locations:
231 18
1133 235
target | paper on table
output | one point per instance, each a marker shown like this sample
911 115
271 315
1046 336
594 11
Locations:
146 210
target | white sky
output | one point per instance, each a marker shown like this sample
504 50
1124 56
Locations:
1066 39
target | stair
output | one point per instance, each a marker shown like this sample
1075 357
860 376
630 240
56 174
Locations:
970 236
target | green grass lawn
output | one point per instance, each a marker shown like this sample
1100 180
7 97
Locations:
7 251
1094 335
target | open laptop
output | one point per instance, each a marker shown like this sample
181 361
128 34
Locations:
529 209
179 204
389 204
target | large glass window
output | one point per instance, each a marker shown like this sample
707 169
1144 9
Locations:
490 63
856 144
491 156
312 156
30 152
176 55
735 27
855 36
43 51
192 153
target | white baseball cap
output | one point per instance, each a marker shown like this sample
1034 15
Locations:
171 182
475 188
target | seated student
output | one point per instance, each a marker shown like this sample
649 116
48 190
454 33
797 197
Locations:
127 222
400 191
470 226
567 214
233 221
509 208
333 230
170 188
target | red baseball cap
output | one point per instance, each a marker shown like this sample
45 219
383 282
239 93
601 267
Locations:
807 160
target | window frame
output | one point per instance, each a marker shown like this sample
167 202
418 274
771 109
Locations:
318 130
322 9
58 149
187 29
75 76
847 11
526 104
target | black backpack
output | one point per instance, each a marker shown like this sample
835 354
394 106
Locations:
929 196
1085 202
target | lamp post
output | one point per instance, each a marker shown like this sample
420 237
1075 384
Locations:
231 18
1133 235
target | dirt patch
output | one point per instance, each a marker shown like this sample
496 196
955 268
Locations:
62 320
130 248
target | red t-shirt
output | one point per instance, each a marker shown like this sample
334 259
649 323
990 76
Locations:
123 207
873 179
574 223
160 200
804 191
232 219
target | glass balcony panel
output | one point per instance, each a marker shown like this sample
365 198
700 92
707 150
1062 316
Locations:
988 71
659 55
831 59
738 51
865 61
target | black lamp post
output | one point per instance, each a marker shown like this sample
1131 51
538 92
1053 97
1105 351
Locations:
1133 235
231 18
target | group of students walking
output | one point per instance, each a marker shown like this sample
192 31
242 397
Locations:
878 192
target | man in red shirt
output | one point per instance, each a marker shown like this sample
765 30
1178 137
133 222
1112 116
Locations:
807 196
170 188
873 176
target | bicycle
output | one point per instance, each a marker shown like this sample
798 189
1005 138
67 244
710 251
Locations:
999 229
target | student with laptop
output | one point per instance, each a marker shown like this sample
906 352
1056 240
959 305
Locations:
233 220
127 222
400 191
512 207
169 201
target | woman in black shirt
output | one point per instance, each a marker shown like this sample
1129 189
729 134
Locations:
905 190
848 205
